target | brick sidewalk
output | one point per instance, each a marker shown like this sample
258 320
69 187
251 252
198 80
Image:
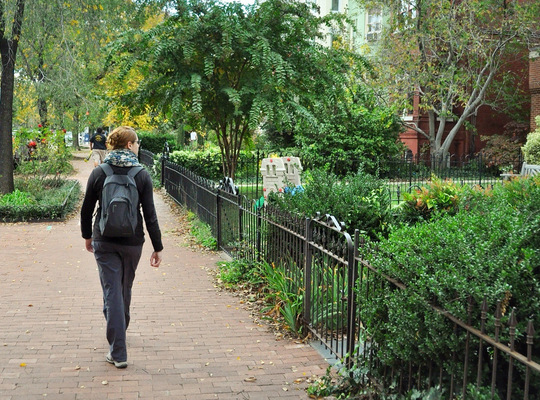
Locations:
187 340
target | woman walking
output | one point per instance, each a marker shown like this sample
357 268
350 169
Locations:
117 257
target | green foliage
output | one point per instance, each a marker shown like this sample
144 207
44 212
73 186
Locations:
361 201
36 199
202 232
280 293
434 200
481 393
442 47
155 142
236 272
208 162
283 300
349 133
17 199
225 67
531 150
343 382
205 163
488 249
51 157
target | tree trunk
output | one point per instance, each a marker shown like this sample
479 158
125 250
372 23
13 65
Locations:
6 116
8 52
43 111
41 102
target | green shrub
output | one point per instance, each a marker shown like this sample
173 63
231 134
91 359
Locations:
202 232
531 150
488 249
283 301
360 201
207 163
17 199
236 272
433 200
51 157
36 199
155 142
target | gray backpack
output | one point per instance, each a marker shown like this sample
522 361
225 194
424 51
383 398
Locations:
119 202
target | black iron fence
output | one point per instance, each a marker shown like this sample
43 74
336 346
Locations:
325 264
402 174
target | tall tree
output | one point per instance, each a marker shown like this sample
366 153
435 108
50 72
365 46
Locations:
9 42
61 54
227 67
455 55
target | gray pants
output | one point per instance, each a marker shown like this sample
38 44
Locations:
117 265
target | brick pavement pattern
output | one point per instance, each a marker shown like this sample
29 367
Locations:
187 339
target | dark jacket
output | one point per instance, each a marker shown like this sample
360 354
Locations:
146 200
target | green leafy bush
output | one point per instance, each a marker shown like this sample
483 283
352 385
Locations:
51 157
531 150
433 200
201 232
361 201
208 163
488 249
17 199
36 199
283 301
236 272
155 142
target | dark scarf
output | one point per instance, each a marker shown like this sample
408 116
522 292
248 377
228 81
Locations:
122 158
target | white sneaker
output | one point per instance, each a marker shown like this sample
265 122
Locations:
117 364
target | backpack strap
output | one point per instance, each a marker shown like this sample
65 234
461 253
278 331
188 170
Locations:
134 171
107 169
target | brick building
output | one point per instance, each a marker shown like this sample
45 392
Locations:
368 26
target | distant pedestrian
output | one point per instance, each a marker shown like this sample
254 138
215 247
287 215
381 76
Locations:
117 257
193 139
98 146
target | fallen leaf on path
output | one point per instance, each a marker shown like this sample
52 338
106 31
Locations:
250 379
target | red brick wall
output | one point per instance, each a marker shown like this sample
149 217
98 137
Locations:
534 84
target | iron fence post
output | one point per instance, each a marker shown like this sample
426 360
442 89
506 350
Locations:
164 157
480 159
218 219
258 233
257 175
240 218
307 273
410 178
352 253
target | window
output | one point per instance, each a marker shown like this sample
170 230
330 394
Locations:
374 25
335 5
408 8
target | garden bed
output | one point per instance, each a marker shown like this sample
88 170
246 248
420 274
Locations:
35 200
